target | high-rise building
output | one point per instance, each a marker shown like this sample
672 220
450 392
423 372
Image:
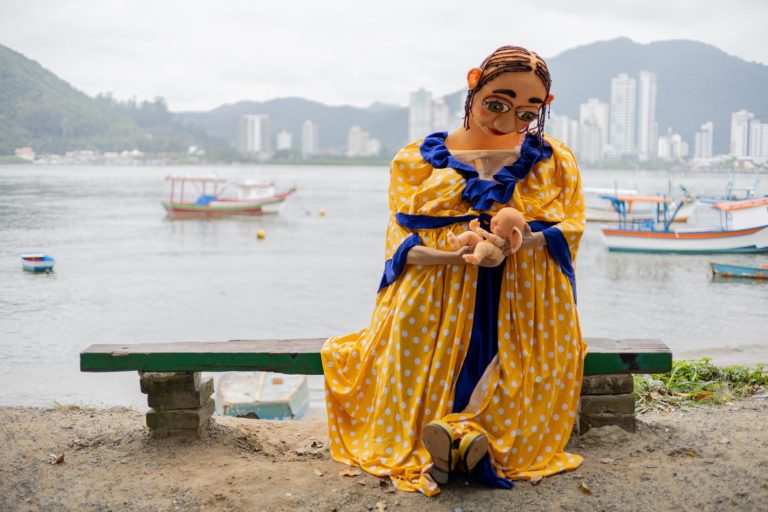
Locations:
441 117
284 140
590 143
702 143
740 131
623 113
758 139
310 140
360 143
253 136
564 129
671 146
646 116
420 114
762 146
593 129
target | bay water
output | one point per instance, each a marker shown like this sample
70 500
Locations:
126 273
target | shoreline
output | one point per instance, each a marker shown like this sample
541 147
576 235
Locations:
703 458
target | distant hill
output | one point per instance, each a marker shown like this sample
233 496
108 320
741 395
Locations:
696 83
387 123
40 110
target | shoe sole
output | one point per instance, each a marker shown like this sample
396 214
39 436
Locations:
475 453
438 443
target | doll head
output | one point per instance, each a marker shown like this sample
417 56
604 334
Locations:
509 223
515 103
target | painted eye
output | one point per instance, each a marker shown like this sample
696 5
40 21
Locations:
526 116
495 106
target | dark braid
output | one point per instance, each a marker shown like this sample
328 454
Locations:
511 59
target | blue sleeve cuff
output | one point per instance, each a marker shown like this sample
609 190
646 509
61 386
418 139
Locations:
558 247
395 266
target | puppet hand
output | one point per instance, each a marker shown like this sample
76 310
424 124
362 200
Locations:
531 239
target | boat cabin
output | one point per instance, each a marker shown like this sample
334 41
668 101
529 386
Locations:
748 213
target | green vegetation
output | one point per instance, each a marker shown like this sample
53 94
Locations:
39 110
10 159
73 407
697 382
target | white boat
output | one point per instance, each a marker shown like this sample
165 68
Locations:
37 262
744 228
263 395
208 197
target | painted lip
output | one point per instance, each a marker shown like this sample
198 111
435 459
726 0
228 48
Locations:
495 131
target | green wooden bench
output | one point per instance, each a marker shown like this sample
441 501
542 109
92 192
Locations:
181 403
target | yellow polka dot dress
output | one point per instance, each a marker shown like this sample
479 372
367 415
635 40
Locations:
386 381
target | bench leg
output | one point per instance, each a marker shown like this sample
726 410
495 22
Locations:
607 400
181 404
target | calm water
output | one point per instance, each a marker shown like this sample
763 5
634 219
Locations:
126 273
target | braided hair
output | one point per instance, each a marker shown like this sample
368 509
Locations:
511 59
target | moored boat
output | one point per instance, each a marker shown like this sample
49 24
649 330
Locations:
37 262
210 199
726 270
263 395
744 229
608 212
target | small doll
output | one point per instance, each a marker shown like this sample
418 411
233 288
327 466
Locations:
507 224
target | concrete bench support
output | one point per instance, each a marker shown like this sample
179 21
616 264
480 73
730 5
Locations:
181 404
607 400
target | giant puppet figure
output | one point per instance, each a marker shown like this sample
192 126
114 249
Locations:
469 367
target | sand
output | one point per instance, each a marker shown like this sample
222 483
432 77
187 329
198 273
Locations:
698 459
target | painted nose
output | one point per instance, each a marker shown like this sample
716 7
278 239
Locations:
505 124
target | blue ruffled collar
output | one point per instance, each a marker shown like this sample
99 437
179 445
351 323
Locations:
481 194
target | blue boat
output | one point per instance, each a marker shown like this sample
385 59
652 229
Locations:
723 270
37 262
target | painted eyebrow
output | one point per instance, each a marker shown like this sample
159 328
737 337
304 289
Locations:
508 92
535 100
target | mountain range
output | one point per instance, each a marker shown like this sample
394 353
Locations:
696 83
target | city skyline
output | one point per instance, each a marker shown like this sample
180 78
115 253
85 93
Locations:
118 47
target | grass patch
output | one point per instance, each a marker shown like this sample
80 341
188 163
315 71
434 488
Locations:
73 407
697 382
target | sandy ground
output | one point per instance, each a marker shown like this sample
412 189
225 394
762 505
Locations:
699 459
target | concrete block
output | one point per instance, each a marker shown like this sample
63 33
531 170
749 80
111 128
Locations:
598 404
163 382
607 384
177 432
625 421
183 419
165 399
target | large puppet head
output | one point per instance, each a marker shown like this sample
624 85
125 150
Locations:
518 95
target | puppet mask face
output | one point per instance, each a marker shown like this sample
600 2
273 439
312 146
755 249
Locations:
508 103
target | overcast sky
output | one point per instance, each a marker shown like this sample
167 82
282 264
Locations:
201 54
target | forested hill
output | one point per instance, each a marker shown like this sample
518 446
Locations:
40 110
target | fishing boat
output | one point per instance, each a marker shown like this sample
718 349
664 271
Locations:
209 196
37 262
743 229
725 270
733 192
263 395
602 205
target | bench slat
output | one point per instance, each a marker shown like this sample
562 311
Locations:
302 356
